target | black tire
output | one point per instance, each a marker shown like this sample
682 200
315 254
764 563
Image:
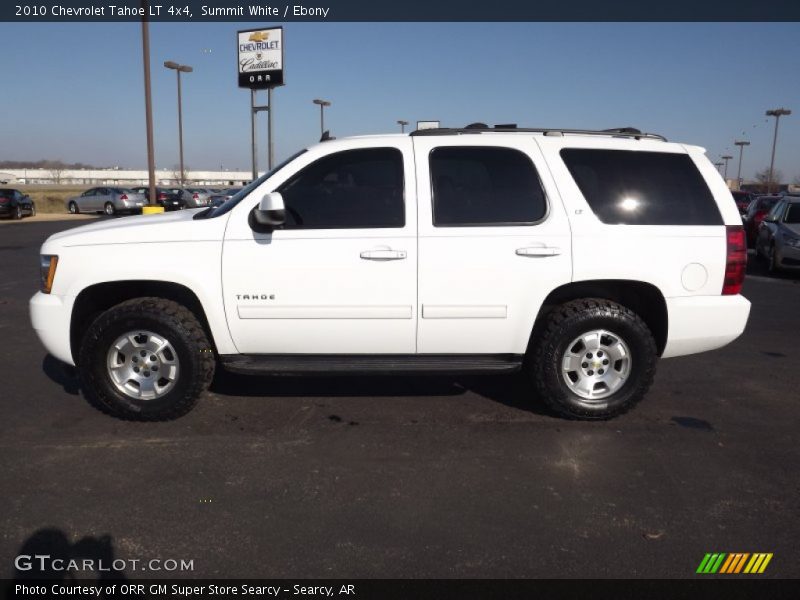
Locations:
562 326
772 262
33 209
161 316
109 209
18 213
73 208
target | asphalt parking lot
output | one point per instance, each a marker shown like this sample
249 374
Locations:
423 477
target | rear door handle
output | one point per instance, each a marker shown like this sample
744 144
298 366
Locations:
383 254
539 251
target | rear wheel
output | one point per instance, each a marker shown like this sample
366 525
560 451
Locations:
109 209
594 359
146 359
73 208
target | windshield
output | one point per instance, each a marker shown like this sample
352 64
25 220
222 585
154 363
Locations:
242 193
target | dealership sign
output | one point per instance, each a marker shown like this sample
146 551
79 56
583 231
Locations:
260 57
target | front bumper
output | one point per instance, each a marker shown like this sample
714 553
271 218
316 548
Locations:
702 323
788 257
50 316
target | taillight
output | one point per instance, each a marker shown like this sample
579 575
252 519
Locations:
162 196
735 260
123 197
195 196
4 200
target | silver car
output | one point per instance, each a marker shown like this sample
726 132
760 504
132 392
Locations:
109 200
779 236
197 197
219 198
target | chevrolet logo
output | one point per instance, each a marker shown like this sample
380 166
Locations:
258 36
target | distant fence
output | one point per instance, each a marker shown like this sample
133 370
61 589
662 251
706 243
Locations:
119 177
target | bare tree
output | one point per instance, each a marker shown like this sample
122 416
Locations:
57 174
762 177
178 177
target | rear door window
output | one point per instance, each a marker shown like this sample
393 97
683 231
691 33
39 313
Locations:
484 186
642 188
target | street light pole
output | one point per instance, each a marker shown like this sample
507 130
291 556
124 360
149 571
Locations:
179 69
777 113
402 124
726 158
719 167
148 103
741 144
322 105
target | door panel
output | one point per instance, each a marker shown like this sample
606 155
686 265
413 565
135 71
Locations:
98 199
480 283
324 291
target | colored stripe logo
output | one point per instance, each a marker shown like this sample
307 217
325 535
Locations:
734 563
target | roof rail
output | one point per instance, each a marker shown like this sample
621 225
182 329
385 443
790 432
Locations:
625 132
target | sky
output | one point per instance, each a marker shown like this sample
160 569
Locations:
74 91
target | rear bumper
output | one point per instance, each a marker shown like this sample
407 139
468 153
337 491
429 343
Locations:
50 316
702 323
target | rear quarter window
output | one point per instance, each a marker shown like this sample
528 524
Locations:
642 188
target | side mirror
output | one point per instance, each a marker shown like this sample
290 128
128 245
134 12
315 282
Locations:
270 211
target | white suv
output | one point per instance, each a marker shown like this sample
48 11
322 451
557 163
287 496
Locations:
580 257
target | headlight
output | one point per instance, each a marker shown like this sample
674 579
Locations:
792 241
47 268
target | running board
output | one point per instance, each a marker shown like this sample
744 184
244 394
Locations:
386 364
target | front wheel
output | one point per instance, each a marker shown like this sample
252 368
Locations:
33 210
18 213
147 359
773 266
594 359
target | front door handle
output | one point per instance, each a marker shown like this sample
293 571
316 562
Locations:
539 251
383 254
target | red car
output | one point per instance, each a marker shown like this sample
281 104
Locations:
742 199
756 212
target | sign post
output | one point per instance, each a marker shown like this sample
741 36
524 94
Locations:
260 66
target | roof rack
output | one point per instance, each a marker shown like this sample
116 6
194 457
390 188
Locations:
624 132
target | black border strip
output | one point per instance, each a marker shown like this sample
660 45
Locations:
710 588
416 10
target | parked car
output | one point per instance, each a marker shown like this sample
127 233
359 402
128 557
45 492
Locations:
742 199
108 200
442 251
198 197
219 198
169 198
756 212
15 204
779 235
